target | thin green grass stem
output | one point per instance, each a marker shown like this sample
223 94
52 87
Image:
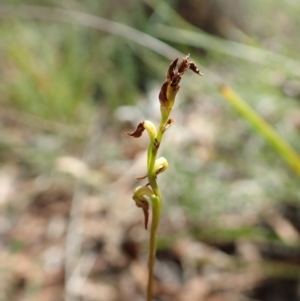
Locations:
284 149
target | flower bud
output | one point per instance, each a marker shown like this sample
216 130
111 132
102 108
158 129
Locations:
161 164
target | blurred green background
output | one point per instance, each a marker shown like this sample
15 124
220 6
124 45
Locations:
68 92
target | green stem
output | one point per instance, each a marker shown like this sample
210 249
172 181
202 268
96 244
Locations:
156 205
149 156
153 149
156 212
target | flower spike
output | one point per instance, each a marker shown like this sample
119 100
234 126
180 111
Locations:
143 194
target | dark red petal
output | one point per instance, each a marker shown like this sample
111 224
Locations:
163 94
194 68
145 208
138 132
171 70
176 79
184 65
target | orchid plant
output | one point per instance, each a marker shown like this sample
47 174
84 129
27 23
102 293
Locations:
150 191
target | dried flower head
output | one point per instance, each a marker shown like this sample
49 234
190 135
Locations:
171 86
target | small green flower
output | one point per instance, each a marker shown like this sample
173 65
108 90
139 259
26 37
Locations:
145 125
141 202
